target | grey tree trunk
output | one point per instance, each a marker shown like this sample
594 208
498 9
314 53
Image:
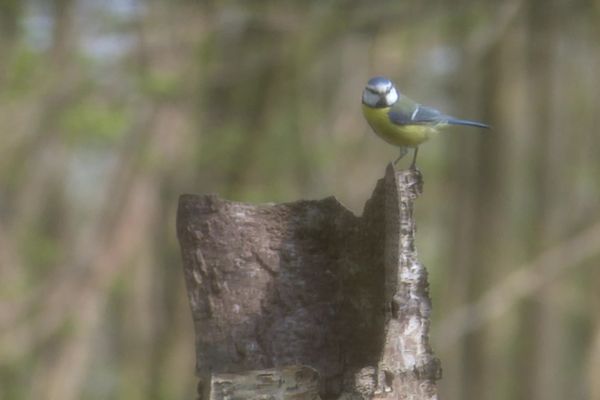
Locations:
305 300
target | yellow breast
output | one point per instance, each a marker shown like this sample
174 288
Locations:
398 135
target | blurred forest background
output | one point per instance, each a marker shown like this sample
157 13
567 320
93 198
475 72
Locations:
111 109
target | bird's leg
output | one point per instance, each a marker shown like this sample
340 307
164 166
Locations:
413 164
403 151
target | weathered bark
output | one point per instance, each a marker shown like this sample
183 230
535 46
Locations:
304 300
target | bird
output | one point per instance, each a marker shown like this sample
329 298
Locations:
401 121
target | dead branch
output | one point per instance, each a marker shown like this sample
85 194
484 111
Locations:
305 300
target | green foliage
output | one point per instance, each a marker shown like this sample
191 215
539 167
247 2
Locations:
24 70
41 251
13 378
161 85
94 123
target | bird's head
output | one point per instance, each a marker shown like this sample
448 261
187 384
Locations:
379 93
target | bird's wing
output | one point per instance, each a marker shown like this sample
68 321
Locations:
407 112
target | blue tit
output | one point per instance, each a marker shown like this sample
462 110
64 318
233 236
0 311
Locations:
399 120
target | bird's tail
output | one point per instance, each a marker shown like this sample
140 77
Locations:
456 121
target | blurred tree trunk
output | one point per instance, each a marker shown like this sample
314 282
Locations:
10 16
32 157
10 13
591 162
540 355
478 203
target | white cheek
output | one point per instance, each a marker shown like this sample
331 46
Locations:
391 97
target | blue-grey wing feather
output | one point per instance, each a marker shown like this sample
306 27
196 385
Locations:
419 115
422 115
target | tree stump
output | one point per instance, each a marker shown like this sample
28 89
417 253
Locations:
305 300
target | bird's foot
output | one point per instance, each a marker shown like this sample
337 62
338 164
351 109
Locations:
403 152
